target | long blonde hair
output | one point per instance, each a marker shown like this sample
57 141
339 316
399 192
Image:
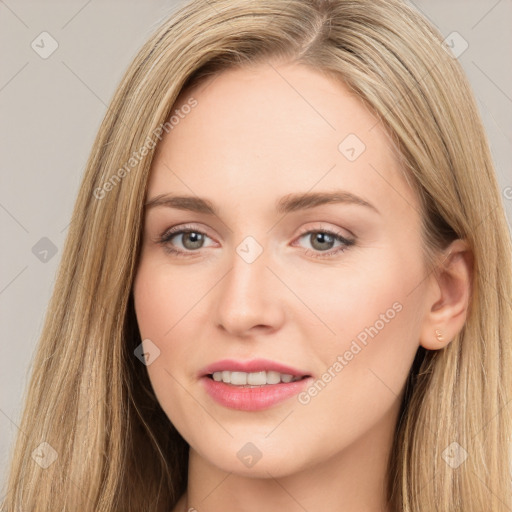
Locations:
90 398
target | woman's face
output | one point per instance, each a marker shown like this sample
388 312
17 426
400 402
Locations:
330 291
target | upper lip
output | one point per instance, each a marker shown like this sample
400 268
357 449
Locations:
252 365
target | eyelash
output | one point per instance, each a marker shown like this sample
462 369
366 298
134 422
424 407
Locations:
166 237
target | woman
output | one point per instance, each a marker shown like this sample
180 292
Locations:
204 350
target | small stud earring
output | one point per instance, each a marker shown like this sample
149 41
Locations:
439 335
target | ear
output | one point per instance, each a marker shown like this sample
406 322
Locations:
448 297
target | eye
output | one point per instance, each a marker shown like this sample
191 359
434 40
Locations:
191 239
321 240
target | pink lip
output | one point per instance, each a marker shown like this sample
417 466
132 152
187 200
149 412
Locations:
254 398
254 365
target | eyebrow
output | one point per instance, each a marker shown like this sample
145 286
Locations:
287 204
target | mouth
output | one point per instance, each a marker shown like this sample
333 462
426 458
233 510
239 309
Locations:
253 391
252 385
254 379
254 372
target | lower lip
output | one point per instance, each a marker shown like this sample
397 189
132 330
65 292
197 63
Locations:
252 399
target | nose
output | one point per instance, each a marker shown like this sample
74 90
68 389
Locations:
250 298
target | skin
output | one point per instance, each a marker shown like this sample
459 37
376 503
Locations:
255 136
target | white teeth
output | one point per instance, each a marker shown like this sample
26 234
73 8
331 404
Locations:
253 379
273 377
238 378
257 379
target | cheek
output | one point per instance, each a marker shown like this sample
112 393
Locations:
367 298
158 309
162 298
376 317
373 312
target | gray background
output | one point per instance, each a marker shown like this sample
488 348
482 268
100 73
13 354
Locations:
51 109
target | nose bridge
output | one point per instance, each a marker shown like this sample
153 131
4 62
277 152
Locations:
247 296
247 277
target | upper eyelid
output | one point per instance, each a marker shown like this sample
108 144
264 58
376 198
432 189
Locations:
335 231
179 229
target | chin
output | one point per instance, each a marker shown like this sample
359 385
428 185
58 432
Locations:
255 458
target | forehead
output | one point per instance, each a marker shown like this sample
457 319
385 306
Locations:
276 128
